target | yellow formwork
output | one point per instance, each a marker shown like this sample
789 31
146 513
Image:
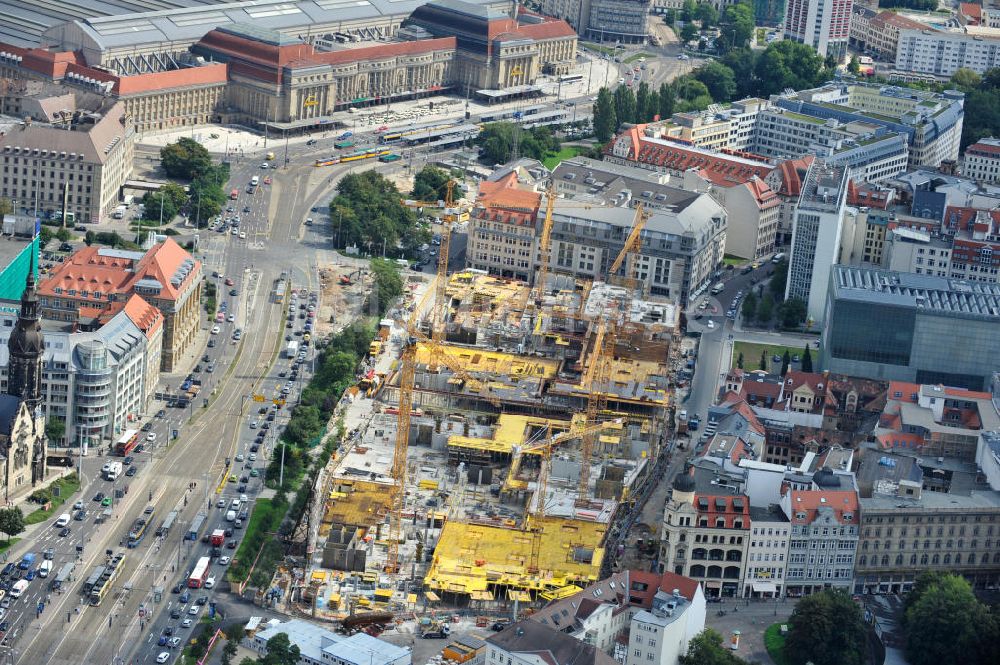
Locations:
473 558
511 430
355 503
476 361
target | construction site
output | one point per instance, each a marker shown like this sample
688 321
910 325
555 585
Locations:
503 431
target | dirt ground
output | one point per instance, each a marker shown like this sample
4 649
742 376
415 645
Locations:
339 304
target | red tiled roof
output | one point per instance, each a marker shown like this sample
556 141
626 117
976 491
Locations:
810 501
176 78
868 195
729 513
984 149
971 9
677 157
146 318
380 52
547 30
764 195
792 172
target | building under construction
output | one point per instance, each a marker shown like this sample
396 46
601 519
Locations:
532 421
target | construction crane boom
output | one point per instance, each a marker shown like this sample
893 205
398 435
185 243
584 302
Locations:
440 304
632 243
545 241
596 385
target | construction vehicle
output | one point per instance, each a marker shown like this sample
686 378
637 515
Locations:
356 622
434 630
349 278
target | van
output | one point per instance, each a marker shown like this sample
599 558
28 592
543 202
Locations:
19 587
45 568
63 520
255 180
718 288
778 258
231 516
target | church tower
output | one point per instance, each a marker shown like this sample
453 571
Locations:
24 375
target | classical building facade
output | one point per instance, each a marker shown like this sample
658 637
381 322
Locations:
72 148
823 540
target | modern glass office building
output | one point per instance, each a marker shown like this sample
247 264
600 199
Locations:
908 327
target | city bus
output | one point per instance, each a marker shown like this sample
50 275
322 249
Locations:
235 194
127 443
364 154
200 573
571 78
330 161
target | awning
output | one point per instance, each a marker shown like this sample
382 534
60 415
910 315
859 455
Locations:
764 587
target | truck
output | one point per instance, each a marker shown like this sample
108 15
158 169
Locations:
128 199
112 470
292 349
435 631
119 212
27 561
682 421
269 156
19 587
218 537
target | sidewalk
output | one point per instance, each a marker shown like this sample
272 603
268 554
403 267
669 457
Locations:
751 620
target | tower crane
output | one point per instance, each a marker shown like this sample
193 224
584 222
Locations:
440 304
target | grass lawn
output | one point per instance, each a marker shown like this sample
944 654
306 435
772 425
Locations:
635 57
597 47
5 545
774 642
68 486
751 354
552 159
731 260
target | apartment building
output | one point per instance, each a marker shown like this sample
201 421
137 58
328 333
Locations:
97 382
941 53
502 233
922 513
823 25
861 18
574 12
931 122
823 541
76 148
522 642
767 552
981 161
752 210
681 247
816 236
878 33
705 537
871 152
95 280
632 615
622 21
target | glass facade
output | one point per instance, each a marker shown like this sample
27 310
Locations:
871 333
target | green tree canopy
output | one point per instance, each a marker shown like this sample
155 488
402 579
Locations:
792 312
719 80
497 140
706 648
55 429
826 629
280 651
688 32
779 276
737 26
369 213
667 101
692 95
807 360
605 118
388 283
431 184
624 100
11 521
749 307
185 159
788 64
172 197
945 624
707 14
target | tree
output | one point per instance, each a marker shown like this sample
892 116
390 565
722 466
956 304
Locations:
706 648
707 14
388 283
749 307
826 628
788 64
667 101
605 120
739 360
652 106
624 100
765 309
172 197
737 25
229 651
741 61
55 429
786 360
185 159
792 312
88 238
807 360
431 184
688 9
779 276
719 80
692 95
763 361
6 206
370 214
250 661
670 17
854 66
642 103
11 521
944 623
965 79
688 32
280 651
